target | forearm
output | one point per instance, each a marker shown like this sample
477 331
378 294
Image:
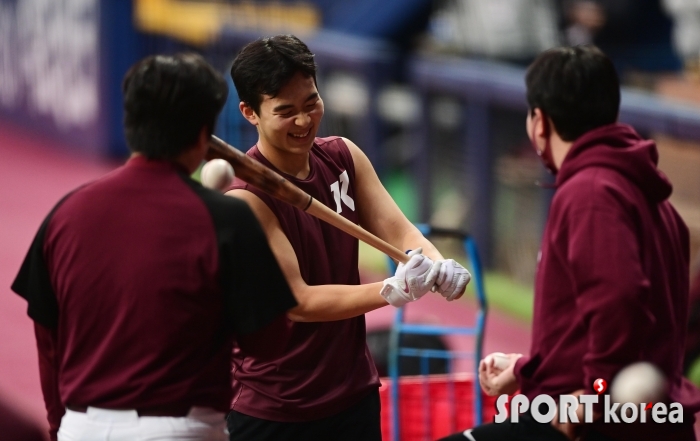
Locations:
413 239
379 214
335 302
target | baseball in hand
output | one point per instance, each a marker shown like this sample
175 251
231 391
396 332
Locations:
637 383
217 174
501 360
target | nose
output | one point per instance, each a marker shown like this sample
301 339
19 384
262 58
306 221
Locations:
302 120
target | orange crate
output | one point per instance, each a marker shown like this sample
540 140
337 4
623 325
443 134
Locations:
426 408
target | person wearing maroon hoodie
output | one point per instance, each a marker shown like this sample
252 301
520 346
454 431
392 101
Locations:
612 277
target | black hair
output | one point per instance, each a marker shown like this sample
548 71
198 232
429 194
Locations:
168 100
577 87
265 66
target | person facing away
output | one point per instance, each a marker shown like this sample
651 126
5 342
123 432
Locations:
138 281
324 384
612 278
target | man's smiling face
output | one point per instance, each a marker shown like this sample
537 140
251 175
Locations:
289 121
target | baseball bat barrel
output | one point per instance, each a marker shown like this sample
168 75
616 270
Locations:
272 183
258 175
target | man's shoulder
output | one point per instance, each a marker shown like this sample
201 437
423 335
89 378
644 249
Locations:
335 149
227 213
87 194
330 142
253 150
597 188
215 198
596 180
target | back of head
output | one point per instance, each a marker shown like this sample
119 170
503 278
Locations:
266 65
577 87
168 100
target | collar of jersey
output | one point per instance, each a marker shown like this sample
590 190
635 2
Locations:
312 167
161 164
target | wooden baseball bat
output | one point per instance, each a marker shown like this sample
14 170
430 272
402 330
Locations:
267 180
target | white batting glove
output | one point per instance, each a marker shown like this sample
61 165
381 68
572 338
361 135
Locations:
411 281
452 279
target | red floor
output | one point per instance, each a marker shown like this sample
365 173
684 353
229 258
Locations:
34 174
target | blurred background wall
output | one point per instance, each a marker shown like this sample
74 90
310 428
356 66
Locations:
432 90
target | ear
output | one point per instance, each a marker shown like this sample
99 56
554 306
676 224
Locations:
191 157
540 123
248 113
203 140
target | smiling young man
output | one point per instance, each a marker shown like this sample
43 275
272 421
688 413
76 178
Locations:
325 385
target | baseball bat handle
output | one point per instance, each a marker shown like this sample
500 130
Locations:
326 214
272 183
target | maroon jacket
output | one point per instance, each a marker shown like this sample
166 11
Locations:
612 276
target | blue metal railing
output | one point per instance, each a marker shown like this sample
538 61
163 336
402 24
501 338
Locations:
477 331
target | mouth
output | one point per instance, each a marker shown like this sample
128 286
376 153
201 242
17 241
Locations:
301 136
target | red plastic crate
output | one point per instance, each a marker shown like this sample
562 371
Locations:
426 409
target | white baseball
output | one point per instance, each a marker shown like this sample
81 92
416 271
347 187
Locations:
638 383
217 174
501 360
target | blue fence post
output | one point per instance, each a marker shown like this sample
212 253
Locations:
475 259
421 161
371 124
394 396
479 183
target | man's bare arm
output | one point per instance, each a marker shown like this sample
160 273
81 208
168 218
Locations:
316 303
378 212
380 215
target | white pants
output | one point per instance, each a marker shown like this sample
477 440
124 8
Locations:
201 424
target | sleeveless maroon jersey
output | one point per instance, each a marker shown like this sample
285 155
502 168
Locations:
326 367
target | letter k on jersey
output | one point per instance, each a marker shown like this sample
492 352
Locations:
340 193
